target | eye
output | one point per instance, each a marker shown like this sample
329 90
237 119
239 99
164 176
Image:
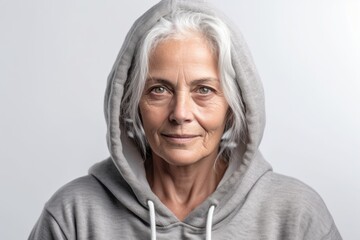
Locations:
158 89
204 90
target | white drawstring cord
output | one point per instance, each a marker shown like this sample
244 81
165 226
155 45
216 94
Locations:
152 219
209 222
153 223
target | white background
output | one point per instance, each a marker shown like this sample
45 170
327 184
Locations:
54 61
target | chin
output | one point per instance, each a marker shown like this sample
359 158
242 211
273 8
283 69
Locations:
182 158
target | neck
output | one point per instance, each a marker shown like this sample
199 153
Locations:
183 188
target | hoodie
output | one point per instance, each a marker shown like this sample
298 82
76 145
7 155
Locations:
115 201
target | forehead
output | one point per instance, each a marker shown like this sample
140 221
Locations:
178 40
191 56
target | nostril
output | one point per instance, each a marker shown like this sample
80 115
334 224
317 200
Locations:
177 119
181 110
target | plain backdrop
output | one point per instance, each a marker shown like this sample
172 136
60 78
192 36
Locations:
54 61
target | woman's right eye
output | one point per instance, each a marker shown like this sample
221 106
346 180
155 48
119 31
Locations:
158 89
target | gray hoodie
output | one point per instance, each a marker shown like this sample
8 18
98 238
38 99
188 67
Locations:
114 201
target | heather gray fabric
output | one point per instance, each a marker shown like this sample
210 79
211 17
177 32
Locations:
251 202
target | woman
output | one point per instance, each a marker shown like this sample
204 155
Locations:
185 113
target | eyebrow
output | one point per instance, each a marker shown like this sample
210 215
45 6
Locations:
193 82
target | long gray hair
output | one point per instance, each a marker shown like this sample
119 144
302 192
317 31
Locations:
182 24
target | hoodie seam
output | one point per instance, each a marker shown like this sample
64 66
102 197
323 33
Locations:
57 222
329 233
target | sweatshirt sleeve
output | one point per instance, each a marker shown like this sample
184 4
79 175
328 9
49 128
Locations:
333 234
47 228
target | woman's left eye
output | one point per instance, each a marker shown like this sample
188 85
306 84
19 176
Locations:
204 90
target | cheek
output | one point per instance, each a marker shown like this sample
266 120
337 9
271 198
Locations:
152 118
213 117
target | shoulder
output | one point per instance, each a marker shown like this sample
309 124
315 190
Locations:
295 203
71 203
288 192
81 199
285 187
88 189
77 191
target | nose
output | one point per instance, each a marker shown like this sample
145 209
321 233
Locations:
181 109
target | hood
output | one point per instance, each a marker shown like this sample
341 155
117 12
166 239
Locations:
128 180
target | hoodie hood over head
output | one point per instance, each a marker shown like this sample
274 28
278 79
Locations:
126 156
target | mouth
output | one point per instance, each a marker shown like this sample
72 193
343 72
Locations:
179 138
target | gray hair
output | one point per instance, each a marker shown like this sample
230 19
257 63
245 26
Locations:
181 24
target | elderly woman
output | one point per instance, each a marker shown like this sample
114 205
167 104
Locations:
185 114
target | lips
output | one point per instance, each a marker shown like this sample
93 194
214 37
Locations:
179 135
179 138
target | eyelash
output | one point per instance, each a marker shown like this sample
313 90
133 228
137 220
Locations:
155 88
206 88
163 89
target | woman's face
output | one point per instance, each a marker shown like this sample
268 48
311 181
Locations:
183 108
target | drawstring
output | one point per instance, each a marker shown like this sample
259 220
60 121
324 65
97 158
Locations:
153 223
152 219
209 222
